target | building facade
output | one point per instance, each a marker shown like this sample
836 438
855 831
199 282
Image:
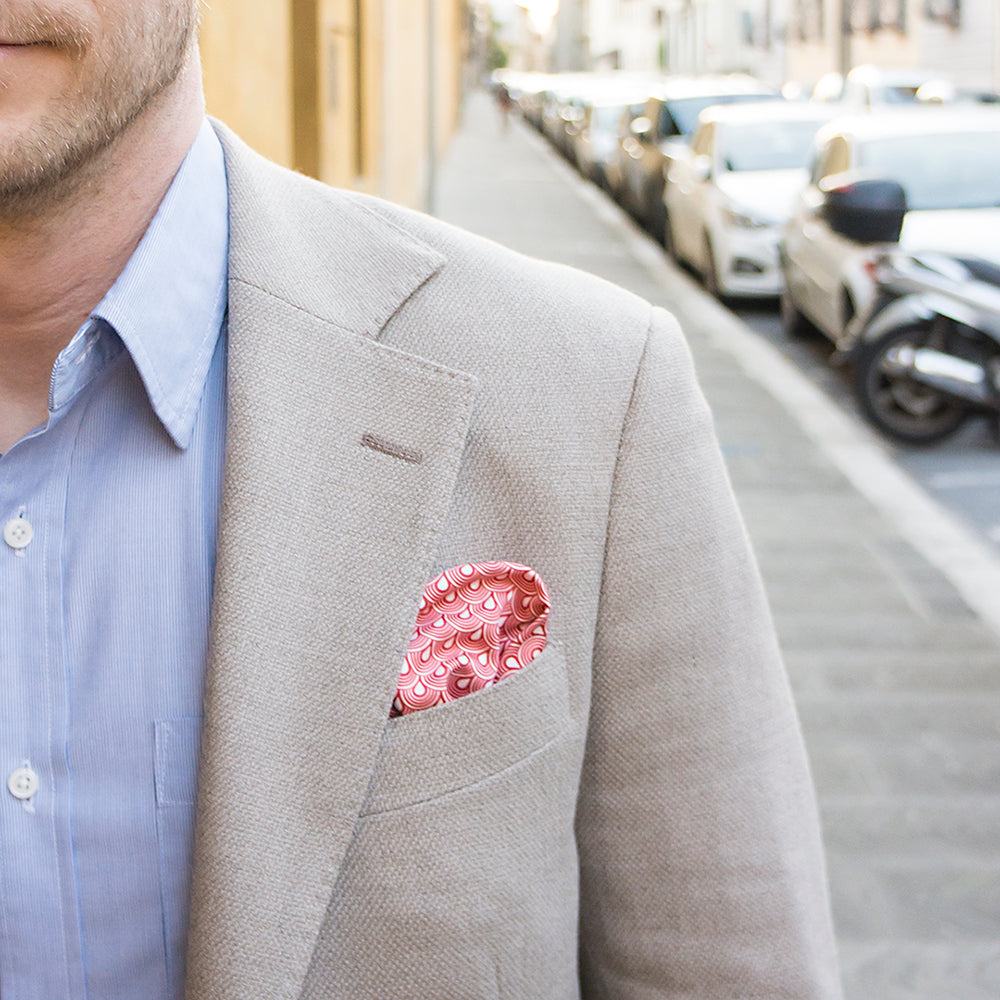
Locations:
958 38
782 40
362 94
572 50
673 36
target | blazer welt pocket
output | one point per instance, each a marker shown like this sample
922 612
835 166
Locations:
448 747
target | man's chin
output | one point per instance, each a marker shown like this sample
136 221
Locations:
42 166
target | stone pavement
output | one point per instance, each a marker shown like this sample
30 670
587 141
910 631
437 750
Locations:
896 677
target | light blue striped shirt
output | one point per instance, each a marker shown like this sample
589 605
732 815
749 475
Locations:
109 514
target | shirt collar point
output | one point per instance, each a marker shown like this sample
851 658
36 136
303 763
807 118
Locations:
181 432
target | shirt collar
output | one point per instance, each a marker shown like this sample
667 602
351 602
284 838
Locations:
168 304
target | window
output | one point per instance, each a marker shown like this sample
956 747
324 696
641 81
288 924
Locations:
951 171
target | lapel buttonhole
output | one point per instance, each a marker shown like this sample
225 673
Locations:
387 447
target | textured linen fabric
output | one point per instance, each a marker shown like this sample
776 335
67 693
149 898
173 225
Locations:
105 619
631 815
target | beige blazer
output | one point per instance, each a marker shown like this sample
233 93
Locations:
630 817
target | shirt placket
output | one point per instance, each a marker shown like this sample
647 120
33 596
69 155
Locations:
38 897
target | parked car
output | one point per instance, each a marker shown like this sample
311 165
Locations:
876 87
569 97
873 86
596 140
664 128
948 164
527 90
729 194
614 170
562 104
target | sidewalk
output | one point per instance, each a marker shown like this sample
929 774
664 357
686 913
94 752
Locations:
897 675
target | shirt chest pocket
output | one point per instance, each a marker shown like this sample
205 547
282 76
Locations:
177 749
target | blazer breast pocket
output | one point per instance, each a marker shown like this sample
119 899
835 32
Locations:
439 750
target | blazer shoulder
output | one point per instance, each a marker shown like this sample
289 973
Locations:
568 294
490 301
302 238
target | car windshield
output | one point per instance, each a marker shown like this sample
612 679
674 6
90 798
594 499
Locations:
899 94
955 170
607 116
766 145
685 110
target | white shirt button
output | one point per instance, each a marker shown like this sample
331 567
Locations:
23 783
17 532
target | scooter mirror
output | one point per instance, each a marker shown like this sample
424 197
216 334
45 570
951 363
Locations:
863 209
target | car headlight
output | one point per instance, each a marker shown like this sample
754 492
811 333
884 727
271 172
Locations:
741 219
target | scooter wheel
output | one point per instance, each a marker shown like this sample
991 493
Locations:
896 403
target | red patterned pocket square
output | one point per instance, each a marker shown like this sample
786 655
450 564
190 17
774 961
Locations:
476 624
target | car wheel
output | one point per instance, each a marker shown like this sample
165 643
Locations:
710 270
795 324
895 402
669 244
848 310
657 217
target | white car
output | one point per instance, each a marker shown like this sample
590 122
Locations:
729 194
948 163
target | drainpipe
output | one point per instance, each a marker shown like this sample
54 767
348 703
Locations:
844 54
431 105
996 48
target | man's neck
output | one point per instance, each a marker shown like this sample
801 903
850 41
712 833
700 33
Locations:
56 266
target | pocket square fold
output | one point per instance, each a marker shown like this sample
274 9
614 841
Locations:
476 624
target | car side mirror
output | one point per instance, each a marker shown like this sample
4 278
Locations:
641 128
863 209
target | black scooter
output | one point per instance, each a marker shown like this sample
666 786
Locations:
926 355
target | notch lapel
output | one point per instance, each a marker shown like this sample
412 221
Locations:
342 455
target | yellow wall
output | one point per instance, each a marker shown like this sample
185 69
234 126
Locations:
340 89
246 57
405 108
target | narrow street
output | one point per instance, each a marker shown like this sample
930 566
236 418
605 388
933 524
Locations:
887 605
963 473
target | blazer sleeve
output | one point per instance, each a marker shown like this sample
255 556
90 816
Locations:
702 873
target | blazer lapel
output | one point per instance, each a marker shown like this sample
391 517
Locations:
342 454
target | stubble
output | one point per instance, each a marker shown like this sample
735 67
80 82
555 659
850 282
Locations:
116 80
